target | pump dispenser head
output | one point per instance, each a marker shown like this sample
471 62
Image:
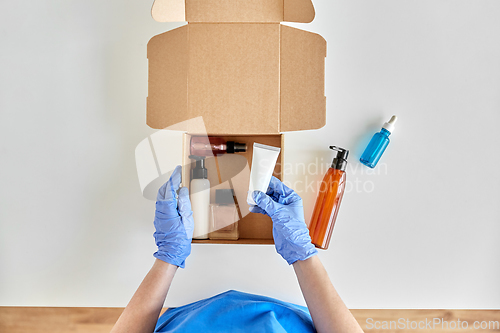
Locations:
199 171
390 124
340 161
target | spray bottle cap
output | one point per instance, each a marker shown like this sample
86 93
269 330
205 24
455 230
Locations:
390 124
340 161
199 171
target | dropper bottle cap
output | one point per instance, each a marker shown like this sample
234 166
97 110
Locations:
340 161
236 147
390 124
199 171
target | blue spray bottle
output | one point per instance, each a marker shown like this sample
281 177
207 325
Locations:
377 144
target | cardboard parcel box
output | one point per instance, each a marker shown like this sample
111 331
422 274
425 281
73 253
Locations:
248 76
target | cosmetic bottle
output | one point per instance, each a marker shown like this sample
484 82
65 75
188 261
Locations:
377 144
211 145
328 200
200 198
224 216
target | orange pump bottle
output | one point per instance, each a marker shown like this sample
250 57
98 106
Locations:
328 201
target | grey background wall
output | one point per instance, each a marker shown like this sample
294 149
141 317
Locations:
421 231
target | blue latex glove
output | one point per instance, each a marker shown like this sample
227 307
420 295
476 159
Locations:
173 222
290 233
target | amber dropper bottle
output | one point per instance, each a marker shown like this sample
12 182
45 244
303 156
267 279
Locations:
328 201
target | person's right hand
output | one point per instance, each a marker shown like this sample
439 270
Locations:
290 233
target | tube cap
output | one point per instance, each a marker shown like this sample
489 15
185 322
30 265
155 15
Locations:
236 147
390 124
340 161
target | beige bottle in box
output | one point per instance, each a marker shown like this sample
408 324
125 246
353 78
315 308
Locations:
224 216
200 198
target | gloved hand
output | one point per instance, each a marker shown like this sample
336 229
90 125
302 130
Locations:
173 222
290 233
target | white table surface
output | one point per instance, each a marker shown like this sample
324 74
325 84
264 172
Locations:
421 231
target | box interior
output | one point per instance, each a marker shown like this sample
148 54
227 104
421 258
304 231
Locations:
232 171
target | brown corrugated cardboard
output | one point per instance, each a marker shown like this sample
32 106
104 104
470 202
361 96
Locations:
233 11
251 78
302 80
248 76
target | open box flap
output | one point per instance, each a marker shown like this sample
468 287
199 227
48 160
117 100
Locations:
192 73
207 11
302 77
300 11
168 55
233 77
241 78
169 10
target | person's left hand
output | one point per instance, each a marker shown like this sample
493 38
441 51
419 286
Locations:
173 222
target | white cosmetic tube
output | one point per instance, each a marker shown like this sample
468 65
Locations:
263 162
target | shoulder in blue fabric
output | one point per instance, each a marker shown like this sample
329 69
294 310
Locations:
237 312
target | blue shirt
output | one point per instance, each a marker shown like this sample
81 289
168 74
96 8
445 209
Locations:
234 311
